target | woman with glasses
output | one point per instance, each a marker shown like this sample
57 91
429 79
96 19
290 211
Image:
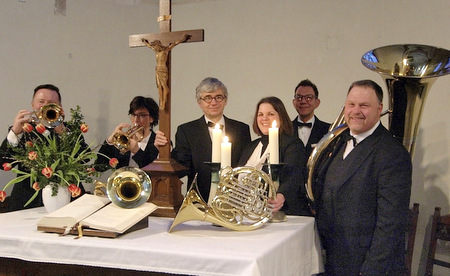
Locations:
141 151
291 195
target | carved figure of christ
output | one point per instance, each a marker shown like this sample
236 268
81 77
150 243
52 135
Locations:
157 43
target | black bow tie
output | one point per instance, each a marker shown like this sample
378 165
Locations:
300 124
213 125
348 137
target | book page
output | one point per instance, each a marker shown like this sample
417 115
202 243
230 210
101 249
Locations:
116 219
73 212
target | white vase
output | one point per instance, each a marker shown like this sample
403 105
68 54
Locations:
52 203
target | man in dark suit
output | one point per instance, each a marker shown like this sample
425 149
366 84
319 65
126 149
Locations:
363 192
22 191
193 144
306 125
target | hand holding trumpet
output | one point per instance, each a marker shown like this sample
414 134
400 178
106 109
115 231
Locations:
50 115
126 140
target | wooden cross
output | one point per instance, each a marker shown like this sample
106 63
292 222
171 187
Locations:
166 186
168 38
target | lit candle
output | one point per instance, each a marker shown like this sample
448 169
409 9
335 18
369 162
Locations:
216 140
273 144
225 153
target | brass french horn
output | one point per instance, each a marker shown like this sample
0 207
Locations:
127 187
122 140
50 115
409 70
241 201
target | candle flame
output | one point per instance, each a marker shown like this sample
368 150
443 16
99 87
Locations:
225 139
274 124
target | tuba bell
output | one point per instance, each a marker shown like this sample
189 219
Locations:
127 187
241 201
50 115
409 71
122 140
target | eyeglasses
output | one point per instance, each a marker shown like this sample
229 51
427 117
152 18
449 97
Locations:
307 98
139 116
209 99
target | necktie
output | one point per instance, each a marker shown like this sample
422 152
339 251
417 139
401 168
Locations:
300 124
348 137
213 125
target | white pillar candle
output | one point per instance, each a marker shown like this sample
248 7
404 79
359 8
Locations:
273 144
216 141
225 153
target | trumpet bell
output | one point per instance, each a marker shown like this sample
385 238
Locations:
129 187
122 141
50 115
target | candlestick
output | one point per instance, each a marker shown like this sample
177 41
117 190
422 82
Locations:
225 153
273 144
275 172
216 140
215 179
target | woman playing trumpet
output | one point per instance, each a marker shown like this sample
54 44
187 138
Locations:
134 149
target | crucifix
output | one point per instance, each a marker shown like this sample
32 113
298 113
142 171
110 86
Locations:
166 185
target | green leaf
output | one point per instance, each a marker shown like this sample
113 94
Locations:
32 198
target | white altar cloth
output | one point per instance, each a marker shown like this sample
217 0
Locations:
193 248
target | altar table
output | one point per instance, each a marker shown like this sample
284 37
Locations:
193 248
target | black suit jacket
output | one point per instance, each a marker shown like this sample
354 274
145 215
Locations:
193 147
362 207
292 177
318 130
142 157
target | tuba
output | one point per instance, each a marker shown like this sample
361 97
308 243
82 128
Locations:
127 187
241 201
50 115
122 140
409 71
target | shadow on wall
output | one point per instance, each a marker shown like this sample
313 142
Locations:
427 190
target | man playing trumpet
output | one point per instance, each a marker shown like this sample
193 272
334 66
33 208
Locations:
44 95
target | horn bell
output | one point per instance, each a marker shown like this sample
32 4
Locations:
409 71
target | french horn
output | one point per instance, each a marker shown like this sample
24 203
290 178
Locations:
127 187
409 71
50 115
122 140
241 201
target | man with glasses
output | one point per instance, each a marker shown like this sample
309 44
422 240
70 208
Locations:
193 143
306 125
143 112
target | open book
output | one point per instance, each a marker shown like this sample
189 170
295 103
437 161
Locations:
96 216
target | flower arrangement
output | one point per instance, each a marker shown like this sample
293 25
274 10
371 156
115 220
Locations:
47 158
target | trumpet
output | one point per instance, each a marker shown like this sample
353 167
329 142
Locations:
127 187
50 115
122 140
